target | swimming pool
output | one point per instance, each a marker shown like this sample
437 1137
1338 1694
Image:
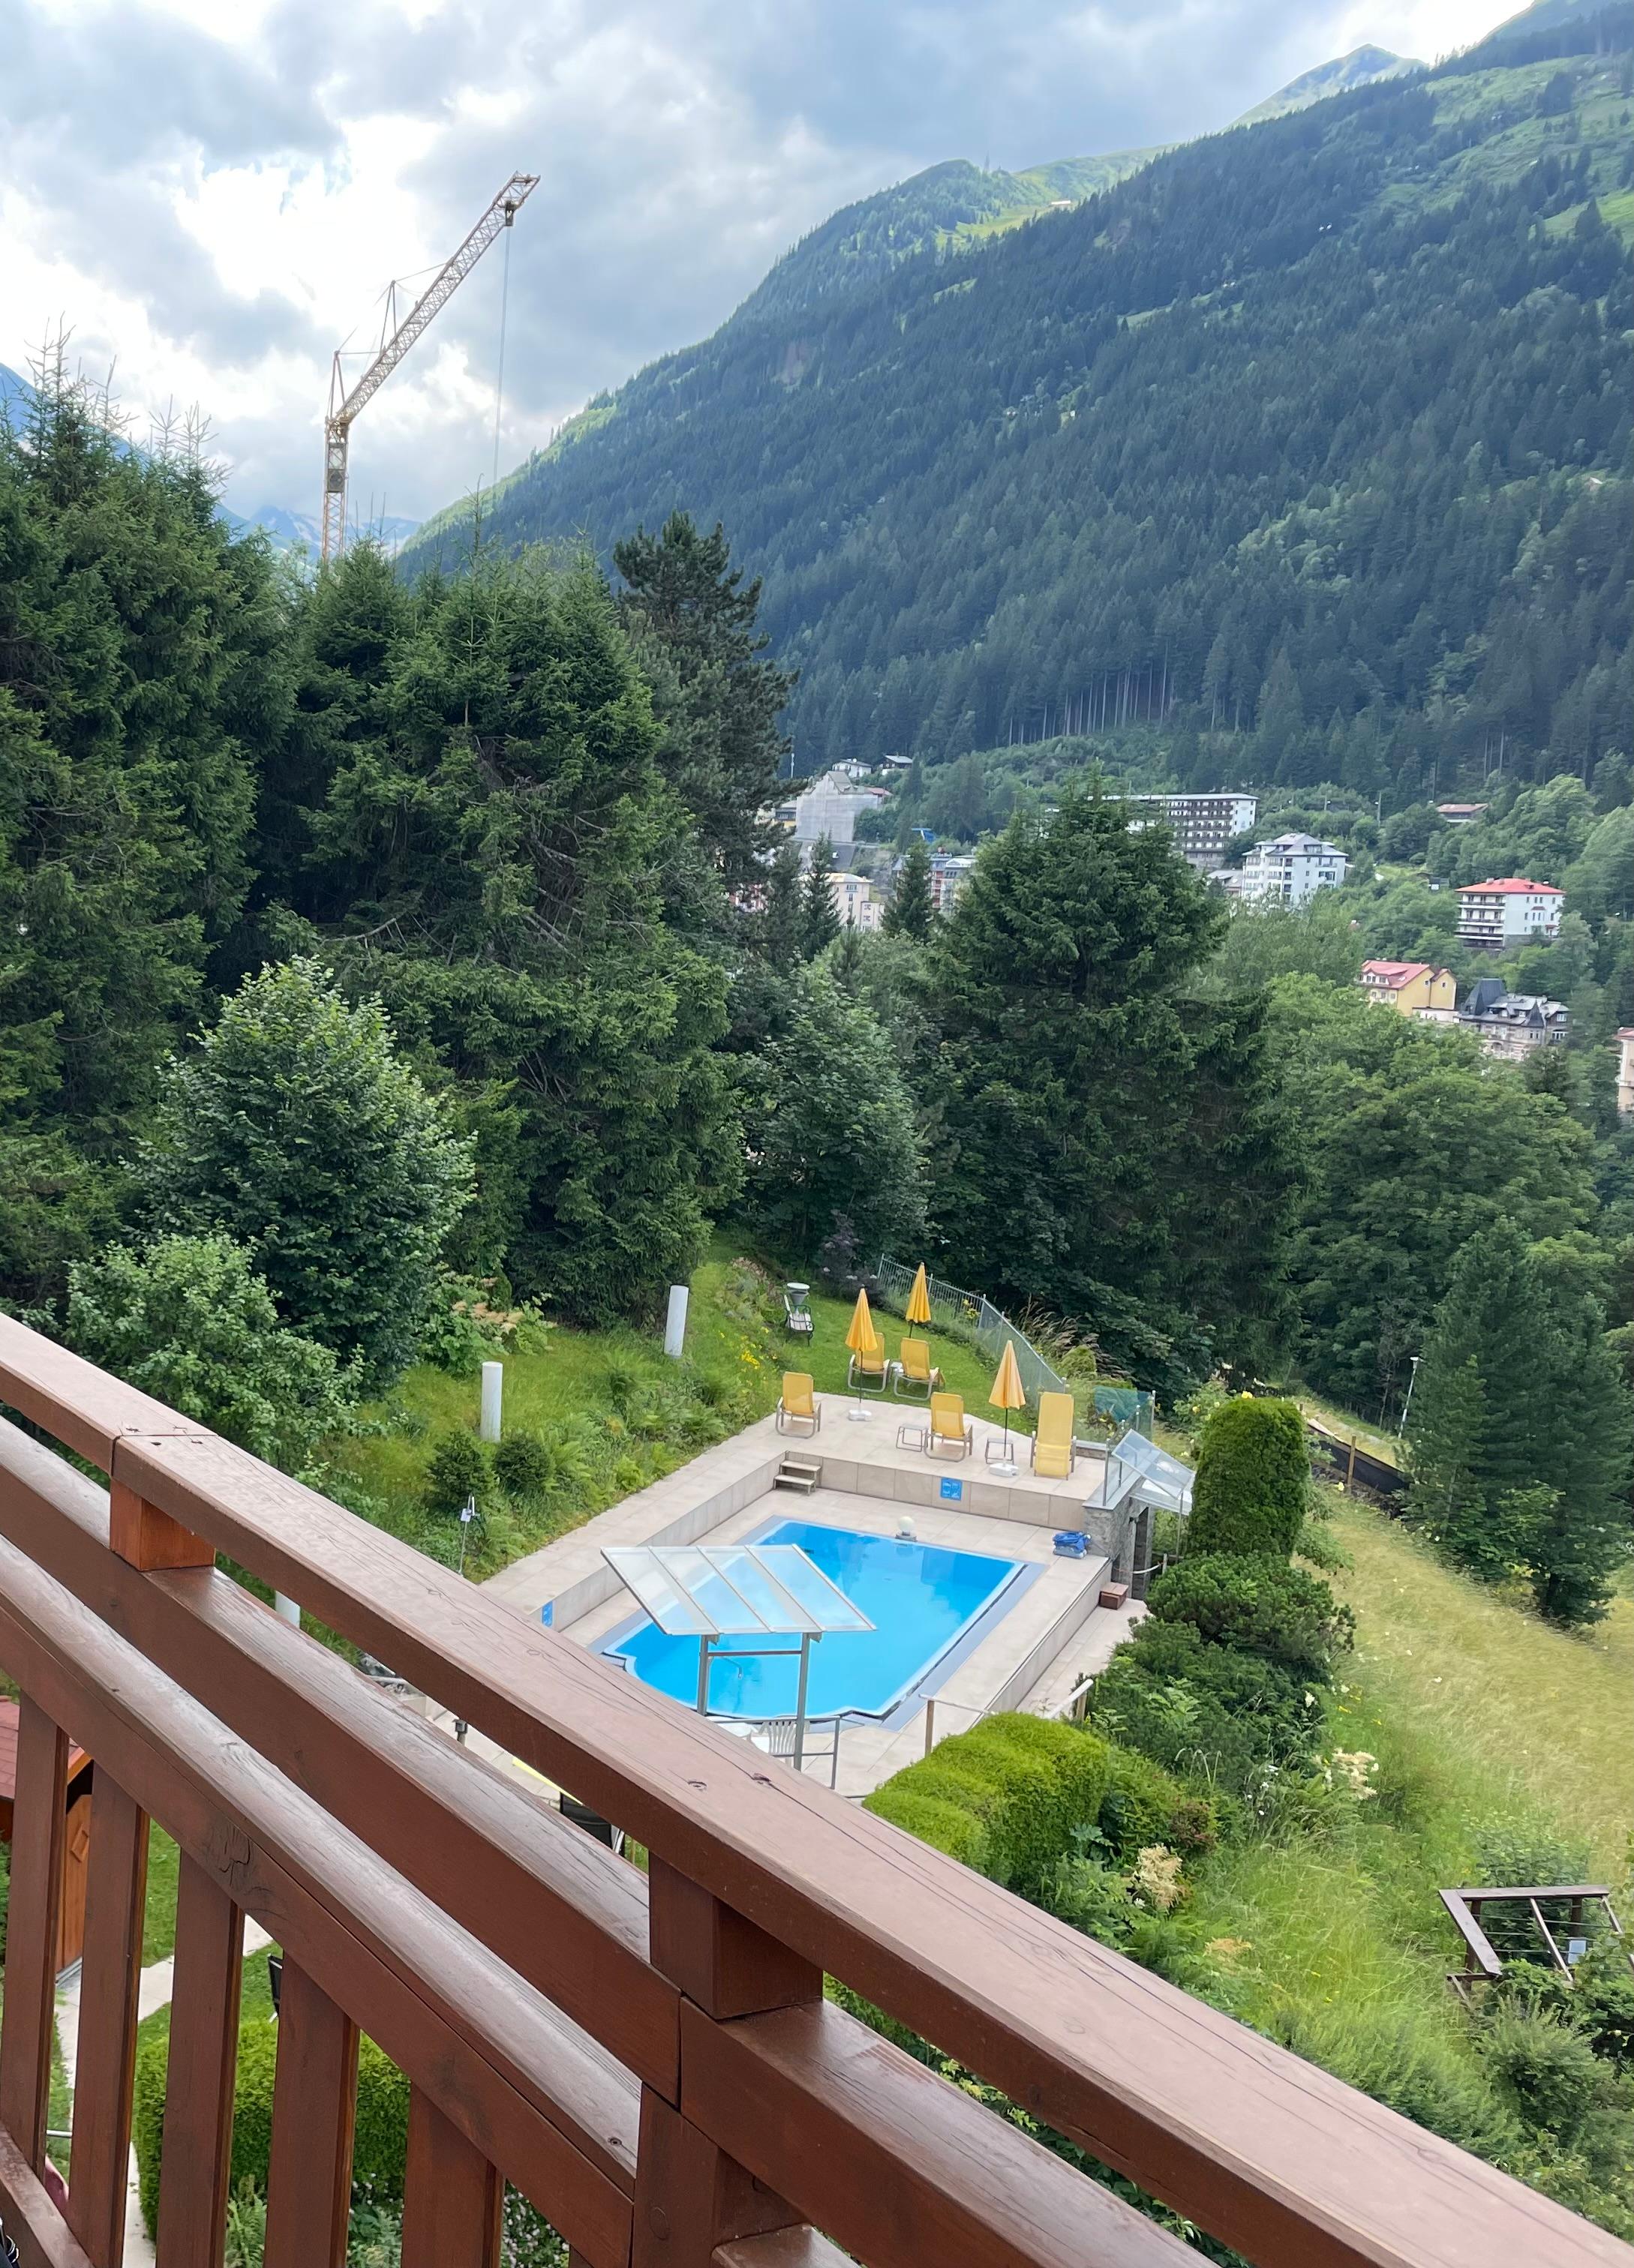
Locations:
920 1598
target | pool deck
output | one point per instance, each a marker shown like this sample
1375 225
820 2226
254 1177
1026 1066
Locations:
1031 1654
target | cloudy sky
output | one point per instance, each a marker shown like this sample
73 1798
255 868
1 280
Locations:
214 196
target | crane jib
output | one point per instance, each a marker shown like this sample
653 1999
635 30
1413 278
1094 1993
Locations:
345 406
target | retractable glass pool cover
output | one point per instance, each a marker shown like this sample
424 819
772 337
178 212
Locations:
752 1592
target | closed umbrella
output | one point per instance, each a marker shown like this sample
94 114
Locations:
918 1309
861 1338
1007 1394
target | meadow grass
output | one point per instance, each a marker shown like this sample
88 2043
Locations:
1480 1717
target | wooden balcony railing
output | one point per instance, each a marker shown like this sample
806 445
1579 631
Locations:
648 2058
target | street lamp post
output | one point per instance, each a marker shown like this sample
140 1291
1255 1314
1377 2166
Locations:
1411 1383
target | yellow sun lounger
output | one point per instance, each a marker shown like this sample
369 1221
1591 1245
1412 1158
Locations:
799 1405
916 1376
950 1428
868 1372
1053 1447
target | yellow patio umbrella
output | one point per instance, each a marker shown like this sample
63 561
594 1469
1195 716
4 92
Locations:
861 1338
918 1309
1008 1392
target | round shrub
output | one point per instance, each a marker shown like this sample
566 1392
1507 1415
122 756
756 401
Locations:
1258 1606
524 1465
1144 1804
455 1471
1252 1479
1216 1717
1547 2069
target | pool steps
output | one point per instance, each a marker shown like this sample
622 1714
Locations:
801 1473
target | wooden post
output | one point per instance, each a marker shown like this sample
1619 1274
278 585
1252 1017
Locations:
452 2196
1350 1470
196 2173
110 1975
689 2195
314 2100
30 2019
148 1538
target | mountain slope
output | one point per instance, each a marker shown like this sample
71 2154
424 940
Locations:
1360 68
1316 430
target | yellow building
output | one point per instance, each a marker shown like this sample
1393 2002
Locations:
1412 988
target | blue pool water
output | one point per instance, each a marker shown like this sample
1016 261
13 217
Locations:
920 1598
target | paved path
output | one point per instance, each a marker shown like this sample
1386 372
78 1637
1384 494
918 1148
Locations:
154 1991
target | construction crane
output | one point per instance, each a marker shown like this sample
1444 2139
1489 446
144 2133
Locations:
344 406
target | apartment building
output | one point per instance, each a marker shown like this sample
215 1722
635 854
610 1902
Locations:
1513 1025
1202 824
1412 988
1288 871
1493 915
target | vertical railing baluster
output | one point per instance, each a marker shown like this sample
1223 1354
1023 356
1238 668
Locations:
315 2101
689 2195
110 1975
30 2019
207 1983
451 2198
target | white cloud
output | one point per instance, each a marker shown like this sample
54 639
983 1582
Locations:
214 196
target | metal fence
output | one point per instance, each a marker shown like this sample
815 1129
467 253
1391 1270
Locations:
974 1316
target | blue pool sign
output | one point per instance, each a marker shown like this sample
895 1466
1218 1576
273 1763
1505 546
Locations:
547 1614
953 1489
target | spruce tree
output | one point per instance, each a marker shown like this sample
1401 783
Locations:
1519 1428
1080 1103
717 697
781 913
819 916
909 912
504 844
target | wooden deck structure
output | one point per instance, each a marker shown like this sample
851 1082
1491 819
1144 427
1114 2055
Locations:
650 2058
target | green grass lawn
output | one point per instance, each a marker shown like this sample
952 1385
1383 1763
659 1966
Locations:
1480 1716
627 1414
714 1344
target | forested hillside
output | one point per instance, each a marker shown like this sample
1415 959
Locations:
1309 441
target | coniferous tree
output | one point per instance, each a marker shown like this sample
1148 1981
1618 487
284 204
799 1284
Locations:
1519 1432
819 916
686 609
142 683
296 1129
909 912
504 849
1079 1099
830 1128
780 926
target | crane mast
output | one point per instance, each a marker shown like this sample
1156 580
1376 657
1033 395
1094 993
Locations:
344 406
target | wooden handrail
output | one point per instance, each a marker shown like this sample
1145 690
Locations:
209 1711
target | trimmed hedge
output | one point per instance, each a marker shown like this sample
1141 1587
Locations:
1252 1479
1004 1797
1146 1805
381 2135
1258 1606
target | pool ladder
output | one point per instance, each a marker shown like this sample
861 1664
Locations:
802 1474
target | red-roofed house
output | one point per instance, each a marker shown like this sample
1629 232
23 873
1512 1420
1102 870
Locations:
1498 914
1412 988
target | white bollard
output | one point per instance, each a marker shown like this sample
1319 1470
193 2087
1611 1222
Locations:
493 1395
675 1322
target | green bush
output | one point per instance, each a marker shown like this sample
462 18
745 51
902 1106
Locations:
1253 1476
381 2132
1548 2070
524 1465
455 1469
1004 1797
1216 1718
1144 1804
1258 1606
